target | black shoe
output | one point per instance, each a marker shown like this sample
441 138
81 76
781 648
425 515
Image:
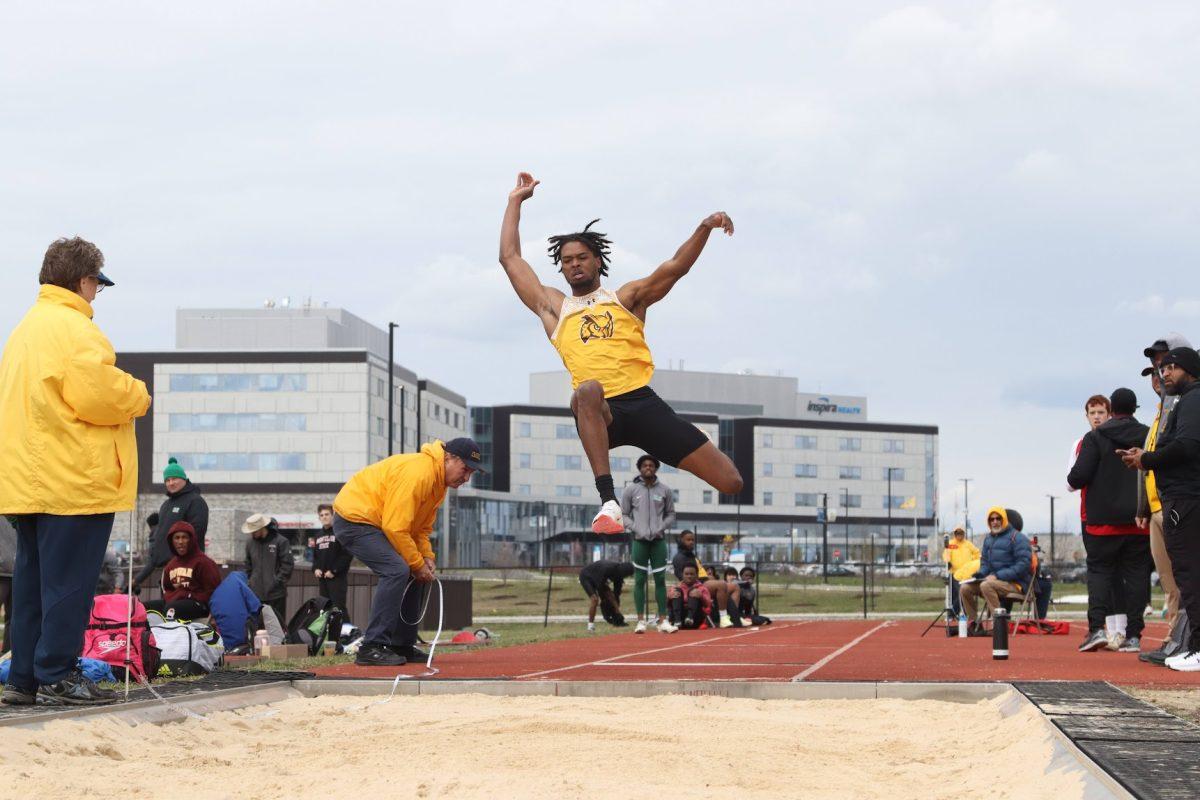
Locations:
16 696
374 655
1157 657
77 690
411 653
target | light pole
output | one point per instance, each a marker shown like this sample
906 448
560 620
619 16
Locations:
966 504
1052 499
391 394
889 510
846 516
825 537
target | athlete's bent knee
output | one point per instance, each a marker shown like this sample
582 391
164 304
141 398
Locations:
589 395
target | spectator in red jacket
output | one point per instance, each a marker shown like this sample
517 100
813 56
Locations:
690 601
189 578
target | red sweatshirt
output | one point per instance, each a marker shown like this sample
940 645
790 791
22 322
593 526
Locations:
192 575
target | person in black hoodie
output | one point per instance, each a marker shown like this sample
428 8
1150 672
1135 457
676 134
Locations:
1118 551
183 503
331 561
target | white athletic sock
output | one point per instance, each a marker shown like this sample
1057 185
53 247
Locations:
1122 622
1110 624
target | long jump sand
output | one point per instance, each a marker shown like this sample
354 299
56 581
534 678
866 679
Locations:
475 746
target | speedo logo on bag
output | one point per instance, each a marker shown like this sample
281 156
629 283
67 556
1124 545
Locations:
108 645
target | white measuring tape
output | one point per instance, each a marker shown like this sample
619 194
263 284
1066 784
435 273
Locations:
430 670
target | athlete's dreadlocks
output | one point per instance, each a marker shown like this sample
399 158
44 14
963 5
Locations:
595 241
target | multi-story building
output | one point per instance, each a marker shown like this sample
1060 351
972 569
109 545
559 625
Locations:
804 458
271 410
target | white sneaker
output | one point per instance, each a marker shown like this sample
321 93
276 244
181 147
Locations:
609 519
591 627
641 626
665 626
725 622
1186 662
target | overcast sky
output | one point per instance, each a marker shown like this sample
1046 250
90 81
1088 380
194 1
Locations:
976 214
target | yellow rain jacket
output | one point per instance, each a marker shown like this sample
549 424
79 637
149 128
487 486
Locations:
963 558
399 495
66 414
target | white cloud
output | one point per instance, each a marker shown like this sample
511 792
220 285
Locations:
1157 306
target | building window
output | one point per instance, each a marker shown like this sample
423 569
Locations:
240 382
896 501
768 498
457 420
564 431
622 464
850 473
806 470
893 445
897 473
675 495
667 469
237 462
567 491
524 430
381 426
708 497
768 469
568 462
525 488
849 443
806 498
806 443
524 461
768 440
237 423
852 500
379 386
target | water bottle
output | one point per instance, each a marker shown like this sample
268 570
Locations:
261 641
962 624
1000 635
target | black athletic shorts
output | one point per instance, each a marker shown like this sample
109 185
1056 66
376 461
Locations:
591 588
643 419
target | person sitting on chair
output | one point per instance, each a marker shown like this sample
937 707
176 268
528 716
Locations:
963 557
1004 565
690 601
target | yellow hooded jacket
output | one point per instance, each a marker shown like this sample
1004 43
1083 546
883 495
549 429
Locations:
963 558
399 495
66 414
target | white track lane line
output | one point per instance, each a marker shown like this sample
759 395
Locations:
839 651
607 661
702 664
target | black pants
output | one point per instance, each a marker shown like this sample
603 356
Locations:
6 601
689 615
1181 530
185 608
955 600
335 590
1118 566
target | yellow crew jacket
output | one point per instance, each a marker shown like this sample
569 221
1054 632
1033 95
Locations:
599 339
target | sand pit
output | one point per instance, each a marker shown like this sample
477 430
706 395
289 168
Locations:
475 746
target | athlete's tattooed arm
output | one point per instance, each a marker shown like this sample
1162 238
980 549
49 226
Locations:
544 301
640 294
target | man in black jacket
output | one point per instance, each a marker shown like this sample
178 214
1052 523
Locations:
269 563
183 503
602 580
1118 550
331 561
1176 465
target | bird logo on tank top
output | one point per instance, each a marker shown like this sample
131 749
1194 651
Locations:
596 326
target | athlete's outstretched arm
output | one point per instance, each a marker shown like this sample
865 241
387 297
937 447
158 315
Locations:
538 298
637 295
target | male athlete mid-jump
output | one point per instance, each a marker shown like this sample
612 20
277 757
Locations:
600 335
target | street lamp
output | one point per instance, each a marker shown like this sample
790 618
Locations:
966 505
391 393
1052 499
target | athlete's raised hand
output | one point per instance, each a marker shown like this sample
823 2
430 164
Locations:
717 219
524 189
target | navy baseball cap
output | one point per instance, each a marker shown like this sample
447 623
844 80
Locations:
100 276
468 450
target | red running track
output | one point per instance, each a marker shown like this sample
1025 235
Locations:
825 650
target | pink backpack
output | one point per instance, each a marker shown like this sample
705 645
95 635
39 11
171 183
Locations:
104 638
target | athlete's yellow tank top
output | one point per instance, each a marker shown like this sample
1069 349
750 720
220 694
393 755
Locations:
599 339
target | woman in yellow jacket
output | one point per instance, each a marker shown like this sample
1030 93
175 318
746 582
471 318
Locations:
68 463
963 557
384 516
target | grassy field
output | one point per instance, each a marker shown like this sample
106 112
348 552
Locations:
777 595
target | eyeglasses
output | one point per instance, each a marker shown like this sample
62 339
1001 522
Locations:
99 283
1165 368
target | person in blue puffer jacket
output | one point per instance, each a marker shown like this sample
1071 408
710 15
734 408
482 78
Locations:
231 605
1005 561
